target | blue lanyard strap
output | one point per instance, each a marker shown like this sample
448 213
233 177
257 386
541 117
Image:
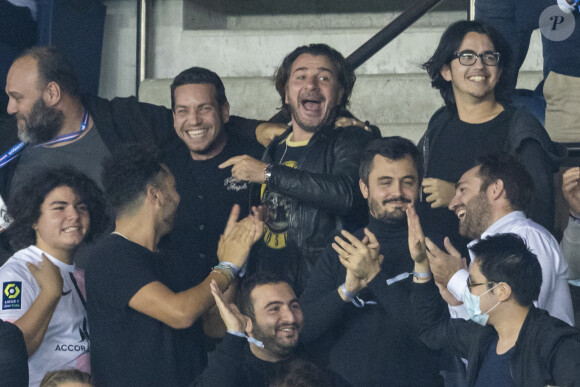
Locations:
17 149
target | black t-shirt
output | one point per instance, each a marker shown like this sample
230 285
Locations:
129 348
454 152
207 196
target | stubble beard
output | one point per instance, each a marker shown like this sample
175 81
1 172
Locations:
378 212
477 217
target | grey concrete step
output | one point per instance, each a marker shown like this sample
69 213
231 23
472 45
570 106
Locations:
257 53
336 20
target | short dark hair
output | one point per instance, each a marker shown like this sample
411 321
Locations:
507 258
345 72
394 148
57 378
53 67
517 182
128 172
198 75
247 284
449 44
24 205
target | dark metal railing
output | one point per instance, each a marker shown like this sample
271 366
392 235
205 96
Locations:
391 31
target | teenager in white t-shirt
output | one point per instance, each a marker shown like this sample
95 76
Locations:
42 291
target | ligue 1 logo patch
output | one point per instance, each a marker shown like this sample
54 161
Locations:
11 297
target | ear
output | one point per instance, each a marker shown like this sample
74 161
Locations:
286 94
364 189
249 327
446 73
495 190
503 291
52 94
153 195
225 111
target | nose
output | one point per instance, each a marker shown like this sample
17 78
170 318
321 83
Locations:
478 62
313 82
288 315
398 188
11 108
195 117
72 213
454 201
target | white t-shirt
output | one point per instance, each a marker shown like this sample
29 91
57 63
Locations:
66 342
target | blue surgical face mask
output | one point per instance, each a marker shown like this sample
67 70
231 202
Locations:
472 302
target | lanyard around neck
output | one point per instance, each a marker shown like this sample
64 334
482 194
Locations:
17 149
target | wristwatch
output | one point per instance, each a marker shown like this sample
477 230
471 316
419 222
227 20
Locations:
267 173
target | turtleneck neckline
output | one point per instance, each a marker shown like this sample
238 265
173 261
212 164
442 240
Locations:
389 230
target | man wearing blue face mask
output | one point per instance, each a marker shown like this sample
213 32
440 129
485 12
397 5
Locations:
509 342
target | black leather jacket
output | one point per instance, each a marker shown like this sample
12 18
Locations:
324 191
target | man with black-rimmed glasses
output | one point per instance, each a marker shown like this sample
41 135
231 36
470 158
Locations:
471 69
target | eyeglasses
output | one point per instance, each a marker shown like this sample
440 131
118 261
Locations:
471 284
469 57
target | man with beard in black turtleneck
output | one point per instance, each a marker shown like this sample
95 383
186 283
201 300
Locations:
357 300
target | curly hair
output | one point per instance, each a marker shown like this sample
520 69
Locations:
345 72
24 205
449 44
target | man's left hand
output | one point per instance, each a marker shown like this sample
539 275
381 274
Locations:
246 168
443 264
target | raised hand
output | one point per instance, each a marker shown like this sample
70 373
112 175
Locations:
232 219
439 192
443 263
362 259
571 189
233 319
417 247
235 246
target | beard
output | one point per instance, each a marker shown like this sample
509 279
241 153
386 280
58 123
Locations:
41 125
378 211
477 217
281 349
